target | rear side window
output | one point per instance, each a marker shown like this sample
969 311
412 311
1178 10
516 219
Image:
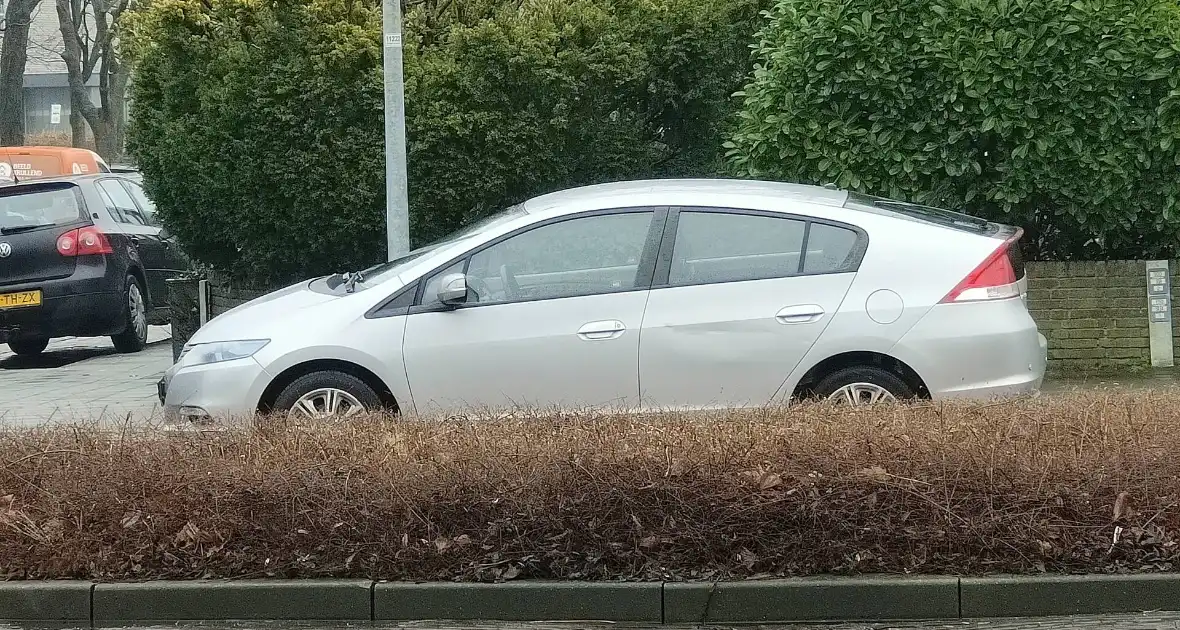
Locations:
35 207
719 247
829 249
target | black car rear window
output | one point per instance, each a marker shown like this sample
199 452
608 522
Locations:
31 207
938 216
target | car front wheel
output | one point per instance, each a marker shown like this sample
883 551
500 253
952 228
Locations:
326 395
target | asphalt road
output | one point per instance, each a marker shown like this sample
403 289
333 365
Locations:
1149 621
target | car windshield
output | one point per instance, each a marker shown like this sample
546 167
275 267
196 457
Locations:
38 207
383 271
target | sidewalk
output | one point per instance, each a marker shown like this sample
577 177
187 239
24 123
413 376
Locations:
80 379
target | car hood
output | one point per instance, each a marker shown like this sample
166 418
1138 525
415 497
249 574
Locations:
258 317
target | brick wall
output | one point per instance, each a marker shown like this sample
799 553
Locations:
1094 314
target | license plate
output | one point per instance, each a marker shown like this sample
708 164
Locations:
20 300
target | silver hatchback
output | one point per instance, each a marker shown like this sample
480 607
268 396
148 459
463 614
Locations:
672 294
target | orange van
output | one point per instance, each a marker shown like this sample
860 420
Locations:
40 162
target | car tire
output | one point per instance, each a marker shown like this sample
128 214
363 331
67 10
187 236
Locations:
28 347
135 327
311 396
862 384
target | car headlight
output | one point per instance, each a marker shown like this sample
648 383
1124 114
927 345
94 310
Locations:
218 351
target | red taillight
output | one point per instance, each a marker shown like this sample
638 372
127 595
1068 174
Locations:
85 241
993 279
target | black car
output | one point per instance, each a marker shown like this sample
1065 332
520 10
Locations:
81 256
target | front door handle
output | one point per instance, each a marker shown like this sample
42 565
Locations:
800 314
607 329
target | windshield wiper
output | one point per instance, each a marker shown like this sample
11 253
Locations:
350 280
24 228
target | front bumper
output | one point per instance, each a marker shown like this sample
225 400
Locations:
212 393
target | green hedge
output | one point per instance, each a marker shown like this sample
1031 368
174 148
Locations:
1057 115
258 125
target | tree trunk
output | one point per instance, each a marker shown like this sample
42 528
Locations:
77 126
13 56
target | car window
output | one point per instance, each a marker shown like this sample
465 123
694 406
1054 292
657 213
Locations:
120 203
581 256
721 247
146 206
829 248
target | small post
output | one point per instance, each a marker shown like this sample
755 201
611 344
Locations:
203 301
1159 313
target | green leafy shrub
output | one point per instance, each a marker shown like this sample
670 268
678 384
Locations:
1057 115
258 126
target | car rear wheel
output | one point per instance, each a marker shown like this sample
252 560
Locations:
28 347
862 385
326 395
135 333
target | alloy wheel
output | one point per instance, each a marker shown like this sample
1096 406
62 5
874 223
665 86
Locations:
860 394
326 402
138 311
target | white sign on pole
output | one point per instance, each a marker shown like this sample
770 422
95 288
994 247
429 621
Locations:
55 114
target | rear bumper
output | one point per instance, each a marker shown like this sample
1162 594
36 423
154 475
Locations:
979 350
89 303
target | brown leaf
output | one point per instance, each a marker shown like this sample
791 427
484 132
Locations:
188 534
463 540
511 573
770 480
649 541
131 519
1122 507
876 473
442 543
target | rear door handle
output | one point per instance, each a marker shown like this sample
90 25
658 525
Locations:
800 314
607 329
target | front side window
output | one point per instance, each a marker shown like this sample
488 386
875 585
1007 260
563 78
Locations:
581 256
146 205
718 247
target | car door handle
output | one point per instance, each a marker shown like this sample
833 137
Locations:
800 314
597 331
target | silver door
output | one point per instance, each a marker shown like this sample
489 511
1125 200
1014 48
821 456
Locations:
552 319
739 309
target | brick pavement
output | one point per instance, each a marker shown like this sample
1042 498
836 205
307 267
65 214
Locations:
82 379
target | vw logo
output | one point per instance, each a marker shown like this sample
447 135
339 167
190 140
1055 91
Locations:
5 250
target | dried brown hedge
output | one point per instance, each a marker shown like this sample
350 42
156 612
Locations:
1027 486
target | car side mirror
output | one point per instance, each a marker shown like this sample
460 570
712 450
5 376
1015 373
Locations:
452 291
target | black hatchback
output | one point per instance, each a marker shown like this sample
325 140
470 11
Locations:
81 256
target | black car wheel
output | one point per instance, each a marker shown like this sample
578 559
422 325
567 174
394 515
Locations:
134 335
28 347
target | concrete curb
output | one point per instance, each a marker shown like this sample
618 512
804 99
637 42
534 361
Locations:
813 599
334 600
520 601
870 598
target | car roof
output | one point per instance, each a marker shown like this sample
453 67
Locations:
740 187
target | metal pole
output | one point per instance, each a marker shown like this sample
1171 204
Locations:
397 202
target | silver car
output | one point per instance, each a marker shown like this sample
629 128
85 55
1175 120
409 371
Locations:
651 295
